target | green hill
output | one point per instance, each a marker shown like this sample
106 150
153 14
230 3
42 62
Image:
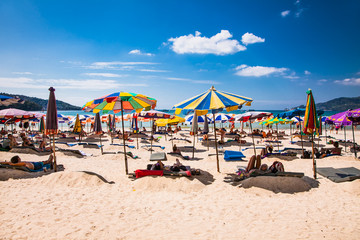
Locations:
338 104
37 104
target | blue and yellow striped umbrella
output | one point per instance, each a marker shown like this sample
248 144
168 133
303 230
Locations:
213 100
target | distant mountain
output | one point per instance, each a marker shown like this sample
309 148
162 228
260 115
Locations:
37 104
338 104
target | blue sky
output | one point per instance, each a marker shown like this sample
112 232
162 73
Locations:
271 51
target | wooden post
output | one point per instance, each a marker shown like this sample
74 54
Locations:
352 125
252 136
193 152
314 161
277 135
101 147
123 130
216 148
345 136
55 165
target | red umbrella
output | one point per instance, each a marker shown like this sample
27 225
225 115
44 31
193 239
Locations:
51 126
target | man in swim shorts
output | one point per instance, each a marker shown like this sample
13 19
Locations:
16 161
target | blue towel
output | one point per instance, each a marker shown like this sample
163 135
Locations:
233 155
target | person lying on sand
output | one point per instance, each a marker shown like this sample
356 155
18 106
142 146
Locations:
177 167
158 166
324 152
16 161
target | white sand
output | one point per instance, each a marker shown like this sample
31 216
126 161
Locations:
72 204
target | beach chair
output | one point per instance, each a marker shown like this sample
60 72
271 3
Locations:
158 156
339 175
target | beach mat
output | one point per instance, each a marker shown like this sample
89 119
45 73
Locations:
339 175
233 156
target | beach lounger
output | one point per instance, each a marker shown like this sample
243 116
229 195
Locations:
77 153
233 156
279 174
178 154
130 154
158 156
29 150
22 168
68 144
148 146
339 175
117 144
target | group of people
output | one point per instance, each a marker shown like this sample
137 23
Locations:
176 167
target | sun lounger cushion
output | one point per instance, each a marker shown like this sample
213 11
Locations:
339 174
142 173
158 156
233 155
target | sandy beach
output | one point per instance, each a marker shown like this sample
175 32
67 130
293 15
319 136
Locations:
92 198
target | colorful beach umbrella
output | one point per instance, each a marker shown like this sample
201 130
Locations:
214 101
98 129
170 121
311 122
51 126
221 117
199 119
15 114
354 117
120 102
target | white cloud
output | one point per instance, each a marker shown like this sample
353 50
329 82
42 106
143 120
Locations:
193 81
86 84
285 13
307 72
111 75
23 73
219 44
249 38
151 70
257 71
117 65
138 52
322 81
349 82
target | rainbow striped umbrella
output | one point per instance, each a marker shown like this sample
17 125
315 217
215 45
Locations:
214 101
121 101
112 102
311 122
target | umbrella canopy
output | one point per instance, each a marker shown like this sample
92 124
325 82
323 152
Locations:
221 117
42 125
200 119
112 102
154 114
354 116
215 101
77 125
97 124
311 120
339 119
172 121
13 113
244 117
51 114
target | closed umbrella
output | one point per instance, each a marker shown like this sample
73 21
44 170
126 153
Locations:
194 131
206 130
51 126
42 125
311 122
214 101
98 129
121 101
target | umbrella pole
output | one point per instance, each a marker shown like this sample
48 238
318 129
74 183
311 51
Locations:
216 148
252 136
352 125
55 165
325 134
152 136
123 130
193 147
345 137
240 140
277 135
302 144
101 147
314 162
291 134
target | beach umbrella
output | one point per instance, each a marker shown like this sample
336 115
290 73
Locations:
120 102
51 126
98 129
340 119
170 121
15 114
199 119
354 117
42 125
311 122
214 101
221 117
77 125
135 128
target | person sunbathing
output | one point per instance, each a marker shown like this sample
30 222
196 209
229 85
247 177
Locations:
205 137
26 142
158 166
10 142
16 161
255 166
325 152
177 167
